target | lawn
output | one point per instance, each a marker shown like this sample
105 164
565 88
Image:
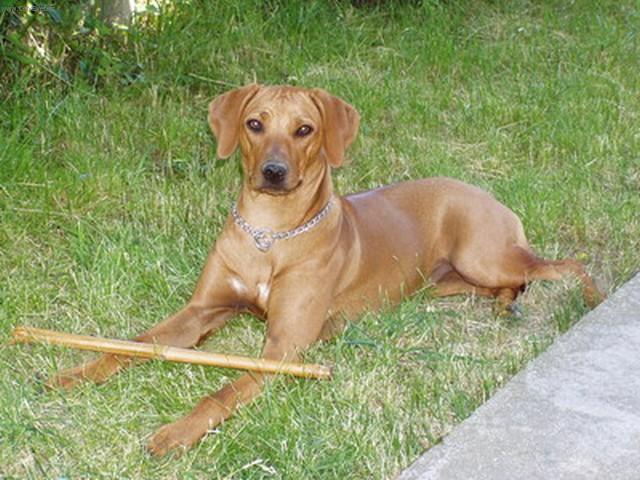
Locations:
111 196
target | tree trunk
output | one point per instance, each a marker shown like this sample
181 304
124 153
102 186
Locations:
117 11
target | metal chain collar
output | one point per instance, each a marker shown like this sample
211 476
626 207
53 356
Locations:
265 238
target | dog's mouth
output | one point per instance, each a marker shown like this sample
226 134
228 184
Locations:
277 189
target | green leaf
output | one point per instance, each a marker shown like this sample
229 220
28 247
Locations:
53 13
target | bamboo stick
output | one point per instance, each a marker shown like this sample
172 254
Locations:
166 352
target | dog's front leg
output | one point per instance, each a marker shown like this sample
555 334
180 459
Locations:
295 320
208 310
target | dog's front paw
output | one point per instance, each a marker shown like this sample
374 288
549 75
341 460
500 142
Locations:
67 379
177 436
97 371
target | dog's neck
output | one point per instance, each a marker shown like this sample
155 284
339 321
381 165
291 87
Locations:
285 212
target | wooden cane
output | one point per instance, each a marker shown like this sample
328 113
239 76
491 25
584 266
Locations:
166 352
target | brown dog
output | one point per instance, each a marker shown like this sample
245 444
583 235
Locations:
324 259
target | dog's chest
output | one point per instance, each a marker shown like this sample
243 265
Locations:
256 291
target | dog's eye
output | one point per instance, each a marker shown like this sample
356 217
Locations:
304 130
254 125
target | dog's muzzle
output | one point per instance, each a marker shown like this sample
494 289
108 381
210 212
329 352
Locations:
275 173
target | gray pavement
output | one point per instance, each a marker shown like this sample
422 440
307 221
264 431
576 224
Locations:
572 413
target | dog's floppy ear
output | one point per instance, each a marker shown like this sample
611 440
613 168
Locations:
340 124
224 117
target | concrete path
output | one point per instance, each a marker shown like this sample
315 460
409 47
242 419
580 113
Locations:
573 413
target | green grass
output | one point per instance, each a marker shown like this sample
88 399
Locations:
110 198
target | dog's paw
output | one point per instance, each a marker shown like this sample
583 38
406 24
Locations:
177 437
513 311
516 312
66 380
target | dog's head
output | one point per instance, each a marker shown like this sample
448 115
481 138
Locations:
285 133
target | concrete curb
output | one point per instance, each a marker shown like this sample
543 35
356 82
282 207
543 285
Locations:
572 413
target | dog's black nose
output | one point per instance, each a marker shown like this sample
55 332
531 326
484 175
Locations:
274 172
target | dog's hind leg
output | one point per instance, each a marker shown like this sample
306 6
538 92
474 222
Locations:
517 266
452 283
